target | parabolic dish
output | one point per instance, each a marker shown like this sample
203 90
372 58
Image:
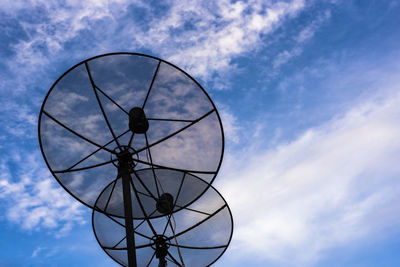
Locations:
84 123
201 232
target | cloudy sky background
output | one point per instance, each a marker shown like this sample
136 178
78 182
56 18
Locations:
310 102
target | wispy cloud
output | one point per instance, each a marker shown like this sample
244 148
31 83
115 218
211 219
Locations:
200 36
303 36
36 251
334 184
34 200
59 22
285 56
230 123
217 33
308 31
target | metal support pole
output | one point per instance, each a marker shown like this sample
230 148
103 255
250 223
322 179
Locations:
123 169
162 262
161 250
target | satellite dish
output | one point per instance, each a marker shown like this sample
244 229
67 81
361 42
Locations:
136 138
133 108
196 235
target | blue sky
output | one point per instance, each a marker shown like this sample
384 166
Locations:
308 92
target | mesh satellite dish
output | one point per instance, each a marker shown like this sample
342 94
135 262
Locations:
138 140
196 235
128 103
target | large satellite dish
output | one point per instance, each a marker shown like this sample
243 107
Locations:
139 141
194 236
86 121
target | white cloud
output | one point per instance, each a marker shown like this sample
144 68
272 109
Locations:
20 119
200 36
34 200
308 32
285 56
336 184
36 251
61 21
304 35
230 123
221 32
45 252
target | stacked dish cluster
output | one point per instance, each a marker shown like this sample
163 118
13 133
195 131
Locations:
139 141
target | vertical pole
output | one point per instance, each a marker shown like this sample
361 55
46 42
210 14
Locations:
126 190
162 262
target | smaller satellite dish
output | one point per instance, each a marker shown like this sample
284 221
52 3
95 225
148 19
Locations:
196 235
